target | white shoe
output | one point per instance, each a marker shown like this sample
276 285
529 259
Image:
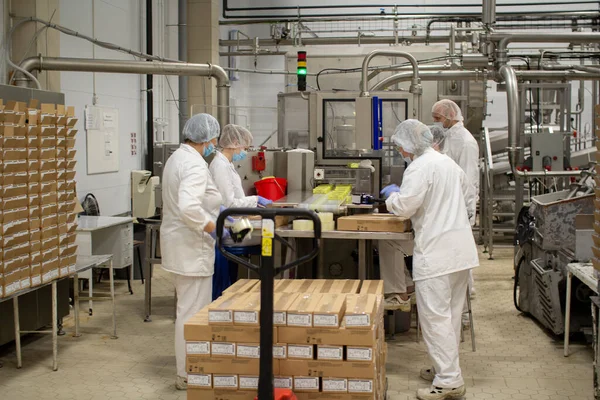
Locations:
427 373
438 393
181 383
472 293
395 302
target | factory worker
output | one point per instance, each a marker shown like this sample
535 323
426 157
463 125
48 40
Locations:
191 203
439 137
432 195
462 147
233 145
397 282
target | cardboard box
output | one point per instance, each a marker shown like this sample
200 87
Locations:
300 351
220 311
335 385
332 336
373 223
246 310
14 215
330 310
12 167
330 353
203 394
36 273
372 287
15 202
300 313
360 311
36 255
200 381
241 286
306 384
280 351
20 178
17 251
222 349
361 385
15 227
49 270
240 366
333 369
355 353
16 239
281 304
228 382
11 283
248 350
25 277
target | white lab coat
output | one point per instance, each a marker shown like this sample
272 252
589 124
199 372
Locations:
230 184
190 201
432 195
462 147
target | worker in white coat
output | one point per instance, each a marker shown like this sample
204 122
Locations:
433 195
191 203
462 147
233 145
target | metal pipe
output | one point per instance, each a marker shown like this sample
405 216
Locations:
182 47
140 67
416 82
149 92
428 76
364 40
488 12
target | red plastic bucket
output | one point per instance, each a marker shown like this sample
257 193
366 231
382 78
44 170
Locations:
271 188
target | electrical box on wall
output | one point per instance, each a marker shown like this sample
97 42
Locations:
259 162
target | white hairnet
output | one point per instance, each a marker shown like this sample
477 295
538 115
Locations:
235 137
413 136
439 136
447 109
201 128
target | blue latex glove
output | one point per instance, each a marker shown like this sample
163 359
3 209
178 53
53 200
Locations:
388 190
264 202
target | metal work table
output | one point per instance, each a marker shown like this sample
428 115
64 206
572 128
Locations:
364 242
585 273
83 263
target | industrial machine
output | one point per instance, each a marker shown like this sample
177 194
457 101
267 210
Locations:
143 193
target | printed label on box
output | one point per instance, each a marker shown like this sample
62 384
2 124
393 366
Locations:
225 381
246 317
279 318
359 354
248 382
335 385
223 349
279 351
299 319
197 347
282 382
306 383
326 320
199 380
360 385
358 320
300 351
36 280
220 316
330 353
248 351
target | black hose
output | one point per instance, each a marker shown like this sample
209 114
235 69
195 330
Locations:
516 285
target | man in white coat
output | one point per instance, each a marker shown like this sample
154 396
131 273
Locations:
191 203
432 195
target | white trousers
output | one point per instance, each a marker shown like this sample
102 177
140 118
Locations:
440 302
193 294
394 274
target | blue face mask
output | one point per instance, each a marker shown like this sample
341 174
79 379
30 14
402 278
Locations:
208 150
239 156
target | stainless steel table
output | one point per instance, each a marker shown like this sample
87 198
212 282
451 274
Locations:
83 263
364 242
585 273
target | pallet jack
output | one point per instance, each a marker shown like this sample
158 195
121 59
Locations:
267 272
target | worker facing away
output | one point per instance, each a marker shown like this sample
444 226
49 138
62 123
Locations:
233 147
433 195
191 203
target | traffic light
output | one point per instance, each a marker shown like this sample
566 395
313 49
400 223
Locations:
301 71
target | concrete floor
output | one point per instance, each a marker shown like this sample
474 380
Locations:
515 358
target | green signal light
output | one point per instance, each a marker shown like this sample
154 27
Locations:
301 71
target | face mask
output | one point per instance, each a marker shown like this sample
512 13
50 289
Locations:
239 156
439 124
208 150
407 160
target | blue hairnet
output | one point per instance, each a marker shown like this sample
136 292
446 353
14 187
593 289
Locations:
413 136
201 128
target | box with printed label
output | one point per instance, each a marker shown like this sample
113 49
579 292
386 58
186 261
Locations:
245 350
229 382
199 381
360 311
283 382
221 394
355 353
49 270
326 352
333 369
246 310
300 351
220 311
222 349
335 385
281 304
218 365
12 282
361 386
330 310
248 382
280 351
333 336
300 313
306 384
373 223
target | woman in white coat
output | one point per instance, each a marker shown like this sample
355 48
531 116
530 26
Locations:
432 195
191 203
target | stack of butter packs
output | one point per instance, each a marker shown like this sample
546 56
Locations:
328 341
38 194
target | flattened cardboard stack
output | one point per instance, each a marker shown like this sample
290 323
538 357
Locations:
596 235
328 341
38 194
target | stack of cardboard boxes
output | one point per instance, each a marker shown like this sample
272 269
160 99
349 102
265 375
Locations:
38 194
328 341
596 235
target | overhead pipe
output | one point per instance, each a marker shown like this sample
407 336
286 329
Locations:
138 67
415 87
149 92
488 12
445 75
182 49
346 40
